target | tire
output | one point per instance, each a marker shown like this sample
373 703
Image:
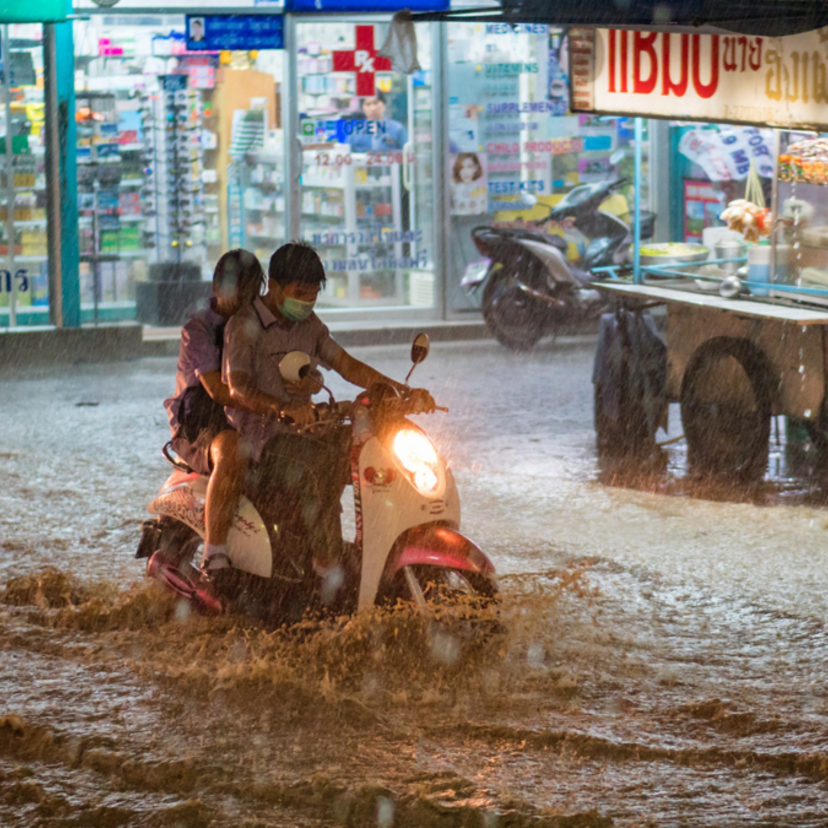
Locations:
179 543
628 436
515 320
459 591
727 438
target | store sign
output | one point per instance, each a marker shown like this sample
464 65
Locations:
780 81
239 32
33 11
363 61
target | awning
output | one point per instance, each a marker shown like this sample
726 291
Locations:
33 11
768 18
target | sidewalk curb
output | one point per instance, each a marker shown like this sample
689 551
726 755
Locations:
39 346
354 337
44 347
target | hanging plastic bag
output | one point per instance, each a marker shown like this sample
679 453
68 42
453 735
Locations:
400 44
753 190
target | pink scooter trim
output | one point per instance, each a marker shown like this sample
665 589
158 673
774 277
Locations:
437 546
159 568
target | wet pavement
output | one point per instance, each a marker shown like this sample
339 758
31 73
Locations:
665 661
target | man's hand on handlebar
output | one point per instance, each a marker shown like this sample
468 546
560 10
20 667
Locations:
421 401
306 387
301 415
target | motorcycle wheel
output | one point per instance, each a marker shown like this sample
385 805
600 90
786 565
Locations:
437 588
515 320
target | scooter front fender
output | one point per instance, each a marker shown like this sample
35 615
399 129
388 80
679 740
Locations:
435 545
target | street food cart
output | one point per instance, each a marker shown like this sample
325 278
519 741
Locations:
741 347
747 335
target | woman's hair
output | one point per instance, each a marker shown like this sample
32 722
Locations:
296 262
458 165
239 271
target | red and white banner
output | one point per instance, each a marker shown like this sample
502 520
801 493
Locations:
779 81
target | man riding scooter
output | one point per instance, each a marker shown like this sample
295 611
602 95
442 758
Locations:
303 472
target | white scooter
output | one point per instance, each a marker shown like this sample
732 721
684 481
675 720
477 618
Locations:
407 546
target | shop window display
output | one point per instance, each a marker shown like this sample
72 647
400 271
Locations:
711 169
170 173
514 149
366 187
24 264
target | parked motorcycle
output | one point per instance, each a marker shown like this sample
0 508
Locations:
408 545
529 287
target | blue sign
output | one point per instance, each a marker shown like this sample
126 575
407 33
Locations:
173 83
239 32
340 130
364 5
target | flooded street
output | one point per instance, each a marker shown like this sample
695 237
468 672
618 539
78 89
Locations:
665 661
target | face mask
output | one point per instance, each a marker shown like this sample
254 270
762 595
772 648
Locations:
295 309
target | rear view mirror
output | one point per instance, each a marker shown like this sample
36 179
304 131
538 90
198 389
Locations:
420 348
295 366
419 351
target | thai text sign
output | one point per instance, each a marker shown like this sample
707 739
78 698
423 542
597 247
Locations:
781 81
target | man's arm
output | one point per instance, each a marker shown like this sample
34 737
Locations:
245 394
365 376
359 373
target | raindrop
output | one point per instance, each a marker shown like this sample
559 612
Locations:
182 610
445 648
385 812
801 369
807 413
534 656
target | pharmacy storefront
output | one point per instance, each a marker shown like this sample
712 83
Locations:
209 127
32 165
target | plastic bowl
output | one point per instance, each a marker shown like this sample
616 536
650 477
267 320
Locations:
699 253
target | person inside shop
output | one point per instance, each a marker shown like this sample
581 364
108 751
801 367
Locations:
305 473
201 433
381 133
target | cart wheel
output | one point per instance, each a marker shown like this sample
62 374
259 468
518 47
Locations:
726 398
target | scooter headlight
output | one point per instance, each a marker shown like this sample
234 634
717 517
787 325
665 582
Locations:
418 457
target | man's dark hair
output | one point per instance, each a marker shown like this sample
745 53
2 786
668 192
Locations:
296 262
238 270
379 95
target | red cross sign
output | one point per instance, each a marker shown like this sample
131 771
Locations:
363 60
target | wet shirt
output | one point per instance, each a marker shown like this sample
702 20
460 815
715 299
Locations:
254 343
199 353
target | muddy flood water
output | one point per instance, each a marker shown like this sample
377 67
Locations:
664 662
